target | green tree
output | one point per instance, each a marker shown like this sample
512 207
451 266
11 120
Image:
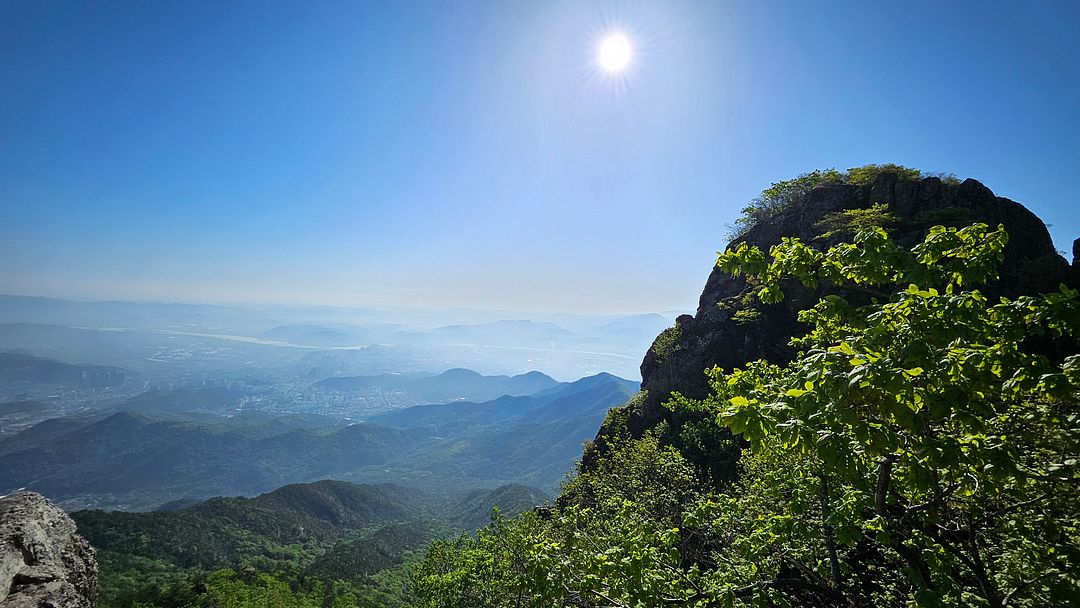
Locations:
617 545
923 435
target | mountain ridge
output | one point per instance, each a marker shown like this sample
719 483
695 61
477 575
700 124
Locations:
450 385
138 458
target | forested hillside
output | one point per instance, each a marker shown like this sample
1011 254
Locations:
300 545
876 404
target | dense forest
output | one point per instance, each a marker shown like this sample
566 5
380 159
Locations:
328 543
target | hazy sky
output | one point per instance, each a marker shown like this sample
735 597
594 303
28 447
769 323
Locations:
471 153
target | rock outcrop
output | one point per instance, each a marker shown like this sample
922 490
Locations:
43 561
730 329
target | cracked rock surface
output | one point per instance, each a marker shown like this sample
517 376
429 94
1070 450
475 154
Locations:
43 561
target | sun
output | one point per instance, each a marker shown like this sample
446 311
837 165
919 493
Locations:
615 53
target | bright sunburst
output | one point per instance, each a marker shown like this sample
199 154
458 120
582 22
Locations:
615 53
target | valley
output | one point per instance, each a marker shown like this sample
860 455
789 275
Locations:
210 452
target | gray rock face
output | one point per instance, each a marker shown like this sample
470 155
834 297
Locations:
730 330
43 561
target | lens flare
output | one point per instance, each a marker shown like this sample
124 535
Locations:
615 53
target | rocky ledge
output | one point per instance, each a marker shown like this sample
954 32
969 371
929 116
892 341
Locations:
43 561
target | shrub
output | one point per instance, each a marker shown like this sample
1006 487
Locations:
780 196
667 342
746 315
866 174
851 221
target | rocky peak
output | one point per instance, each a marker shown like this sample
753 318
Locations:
43 561
730 328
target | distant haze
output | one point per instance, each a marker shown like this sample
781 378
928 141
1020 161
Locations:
166 343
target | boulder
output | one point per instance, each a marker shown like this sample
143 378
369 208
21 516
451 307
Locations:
43 561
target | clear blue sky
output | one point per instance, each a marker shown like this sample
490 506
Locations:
470 153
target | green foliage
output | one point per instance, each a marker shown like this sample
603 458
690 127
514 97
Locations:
851 221
746 315
867 174
294 523
354 542
358 559
712 449
780 196
248 588
655 477
617 541
290 575
921 429
948 256
667 342
613 430
486 570
616 426
919 451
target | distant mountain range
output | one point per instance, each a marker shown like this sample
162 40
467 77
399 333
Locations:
532 439
129 460
28 369
317 335
162 339
574 399
253 319
139 461
450 385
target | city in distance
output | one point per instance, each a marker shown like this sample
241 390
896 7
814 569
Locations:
134 405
